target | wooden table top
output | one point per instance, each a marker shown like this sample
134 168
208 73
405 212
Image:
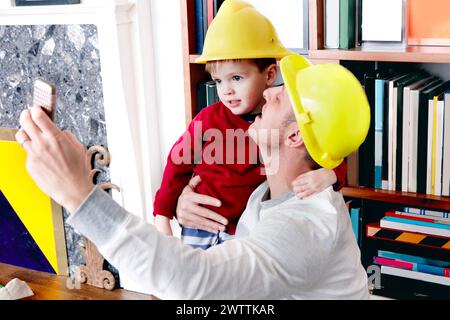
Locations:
52 287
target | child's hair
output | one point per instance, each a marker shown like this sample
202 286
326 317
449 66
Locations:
261 63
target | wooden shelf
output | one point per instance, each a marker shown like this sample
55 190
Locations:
406 198
408 54
421 54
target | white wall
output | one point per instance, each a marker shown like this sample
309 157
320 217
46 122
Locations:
166 22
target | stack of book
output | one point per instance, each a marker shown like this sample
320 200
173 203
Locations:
398 220
414 226
413 267
408 145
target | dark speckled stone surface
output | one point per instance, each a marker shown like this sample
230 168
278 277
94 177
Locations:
67 55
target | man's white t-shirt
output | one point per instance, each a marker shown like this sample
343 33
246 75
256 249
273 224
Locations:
284 249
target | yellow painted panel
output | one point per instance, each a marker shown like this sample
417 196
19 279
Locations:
32 206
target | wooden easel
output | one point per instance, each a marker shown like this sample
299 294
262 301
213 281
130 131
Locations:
92 273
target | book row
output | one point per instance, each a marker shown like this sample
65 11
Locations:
408 145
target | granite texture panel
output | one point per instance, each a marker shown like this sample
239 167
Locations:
68 56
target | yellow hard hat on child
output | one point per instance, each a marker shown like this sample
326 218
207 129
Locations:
239 31
331 108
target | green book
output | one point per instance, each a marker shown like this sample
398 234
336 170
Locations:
347 21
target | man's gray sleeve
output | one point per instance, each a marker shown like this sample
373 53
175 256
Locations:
238 269
98 225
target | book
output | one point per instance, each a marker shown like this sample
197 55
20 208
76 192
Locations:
399 171
355 220
422 136
367 149
426 212
415 226
393 263
374 230
217 4
428 22
382 20
411 216
353 169
347 10
429 218
446 152
392 129
210 11
316 17
205 17
415 275
331 21
199 26
437 148
430 129
414 259
358 23
414 132
405 140
381 133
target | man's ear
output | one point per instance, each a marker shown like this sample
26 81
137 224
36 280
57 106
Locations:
294 138
272 73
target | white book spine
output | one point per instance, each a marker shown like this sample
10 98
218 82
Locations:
405 139
415 275
331 24
412 158
430 145
414 228
439 147
390 135
394 140
446 156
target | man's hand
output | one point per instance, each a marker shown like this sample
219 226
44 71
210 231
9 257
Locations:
191 213
56 160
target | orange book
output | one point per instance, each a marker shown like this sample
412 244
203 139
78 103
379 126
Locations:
428 22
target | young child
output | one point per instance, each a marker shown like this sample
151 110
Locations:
240 51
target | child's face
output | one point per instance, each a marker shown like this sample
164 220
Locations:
240 86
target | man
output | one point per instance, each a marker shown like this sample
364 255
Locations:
286 248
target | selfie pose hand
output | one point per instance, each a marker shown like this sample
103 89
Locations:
56 160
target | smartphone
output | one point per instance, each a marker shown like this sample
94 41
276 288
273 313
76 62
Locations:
44 95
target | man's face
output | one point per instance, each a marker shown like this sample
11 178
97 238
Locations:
240 86
274 113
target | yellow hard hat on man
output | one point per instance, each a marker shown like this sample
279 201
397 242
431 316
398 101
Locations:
239 31
330 106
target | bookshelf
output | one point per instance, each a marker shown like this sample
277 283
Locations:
373 202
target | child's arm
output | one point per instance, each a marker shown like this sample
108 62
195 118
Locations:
177 173
318 180
163 225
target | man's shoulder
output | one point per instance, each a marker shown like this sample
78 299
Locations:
320 213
